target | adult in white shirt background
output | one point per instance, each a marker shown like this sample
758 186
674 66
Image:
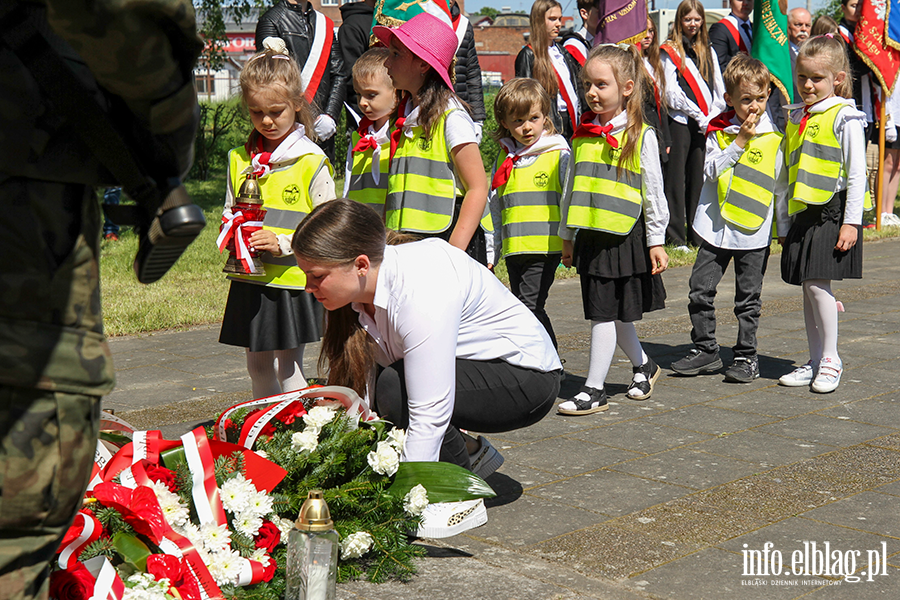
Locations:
438 339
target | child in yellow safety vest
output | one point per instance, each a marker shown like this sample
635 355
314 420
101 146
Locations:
368 156
270 314
436 186
826 152
527 188
744 178
616 211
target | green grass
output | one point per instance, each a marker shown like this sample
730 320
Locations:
193 292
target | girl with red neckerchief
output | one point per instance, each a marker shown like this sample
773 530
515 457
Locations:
269 314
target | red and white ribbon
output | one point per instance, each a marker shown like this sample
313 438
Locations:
251 572
102 456
107 583
235 225
259 422
223 418
90 533
205 491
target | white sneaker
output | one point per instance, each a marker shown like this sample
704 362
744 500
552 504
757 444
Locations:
684 249
799 377
890 220
446 519
486 459
828 376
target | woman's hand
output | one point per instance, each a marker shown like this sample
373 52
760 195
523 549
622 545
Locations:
567 251
781 240
469 166
847 238
265 241
658 259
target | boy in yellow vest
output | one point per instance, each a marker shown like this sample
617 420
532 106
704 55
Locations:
368 156
744 175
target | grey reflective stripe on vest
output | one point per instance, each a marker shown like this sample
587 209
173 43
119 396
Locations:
517 199
283 219
752 205
815 181
820 151
433 169
541 228
283 261
607 172
606 202
366 181
416 201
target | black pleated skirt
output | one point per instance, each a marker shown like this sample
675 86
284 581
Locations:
263 318
809 246
616 283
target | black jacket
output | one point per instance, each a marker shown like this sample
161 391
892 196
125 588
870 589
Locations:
468 72
354 35
525 68
722 41
296 28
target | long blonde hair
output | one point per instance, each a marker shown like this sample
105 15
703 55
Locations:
274 72
626 63
540 43
700 42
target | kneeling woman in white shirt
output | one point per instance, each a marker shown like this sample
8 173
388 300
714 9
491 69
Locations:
441 342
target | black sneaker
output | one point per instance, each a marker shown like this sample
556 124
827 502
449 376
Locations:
742 370
697 362
588 401
642 382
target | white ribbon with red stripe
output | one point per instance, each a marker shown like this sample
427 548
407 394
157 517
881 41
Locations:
233 224
107 583
205 491
102 456
72 551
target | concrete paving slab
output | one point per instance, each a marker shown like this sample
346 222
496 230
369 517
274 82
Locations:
883 411
688 467
763 449
867 511
880 588
889 488
825 430
773 402
641 436
710 419
567 457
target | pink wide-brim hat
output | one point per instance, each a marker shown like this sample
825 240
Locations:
427 37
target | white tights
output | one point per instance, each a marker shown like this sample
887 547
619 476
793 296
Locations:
276 372
821 316
604 337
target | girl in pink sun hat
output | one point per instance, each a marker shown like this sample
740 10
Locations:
436 184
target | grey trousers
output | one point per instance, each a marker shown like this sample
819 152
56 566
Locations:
749 269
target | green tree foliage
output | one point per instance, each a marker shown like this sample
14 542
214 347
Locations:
211 18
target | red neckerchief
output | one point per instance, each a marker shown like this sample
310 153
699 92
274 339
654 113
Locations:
398 126
804 119
588 129
263 156
366 139
504 171
720 122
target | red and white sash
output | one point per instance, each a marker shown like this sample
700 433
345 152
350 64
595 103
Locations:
693 78
737 32
317 61
460 26
577 49
567 91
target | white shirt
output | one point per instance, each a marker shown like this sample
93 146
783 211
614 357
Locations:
459 128
680 106
849 127
434 304
559 63
656 208
708 221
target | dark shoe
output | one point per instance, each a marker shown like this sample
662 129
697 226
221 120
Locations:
642 382
486 459
743 370
588 401
697 362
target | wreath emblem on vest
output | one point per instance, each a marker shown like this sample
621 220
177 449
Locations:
755 156
541 179
424 144
291 194
614 153
813 130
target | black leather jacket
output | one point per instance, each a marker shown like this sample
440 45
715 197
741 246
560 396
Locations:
468 72
297 28
525 68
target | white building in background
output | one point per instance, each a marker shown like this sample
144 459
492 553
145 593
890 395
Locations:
216 86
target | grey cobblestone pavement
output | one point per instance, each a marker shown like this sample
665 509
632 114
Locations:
678 496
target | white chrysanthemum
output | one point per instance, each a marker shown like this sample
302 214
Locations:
215 538
308 440
397 438
225 567
319 416
173 509
356 544
192 533
247 523
259 504
262 453
260 556
234 494
416 500
384 460
143 586
285 526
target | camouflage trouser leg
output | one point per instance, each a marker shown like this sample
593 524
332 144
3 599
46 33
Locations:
48 441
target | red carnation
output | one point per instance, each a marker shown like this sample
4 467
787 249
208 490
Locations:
75 584
179 575
291 413
160 473
268 537
269 572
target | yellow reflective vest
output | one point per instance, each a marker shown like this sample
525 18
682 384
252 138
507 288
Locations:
422 187
599 199
362 186
529 203
815 161
286 198
746 190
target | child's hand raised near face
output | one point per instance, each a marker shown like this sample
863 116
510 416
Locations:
748 130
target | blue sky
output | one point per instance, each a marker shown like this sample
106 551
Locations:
569 5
